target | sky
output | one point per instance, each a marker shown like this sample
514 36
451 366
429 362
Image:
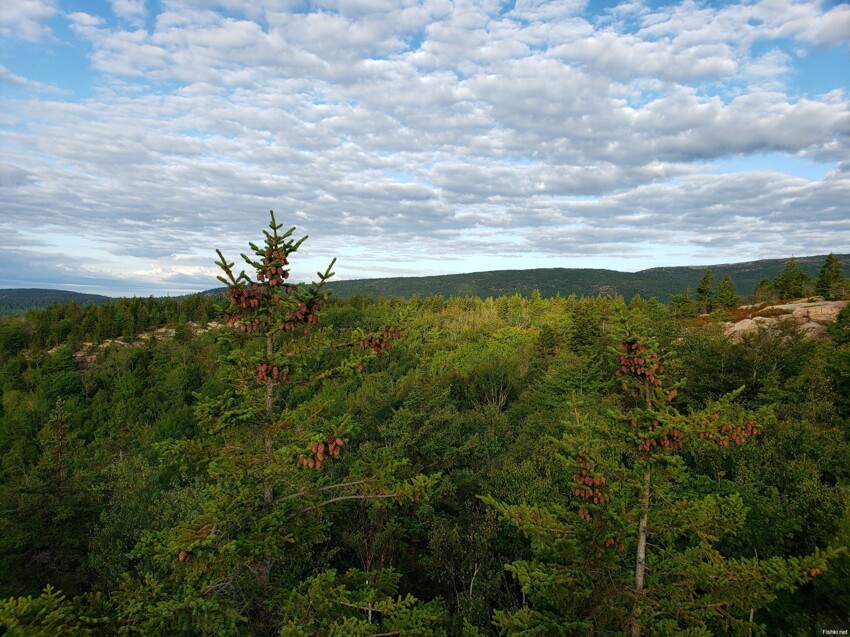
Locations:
416 137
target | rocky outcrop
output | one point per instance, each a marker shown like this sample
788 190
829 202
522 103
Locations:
89 351
809 316
748 325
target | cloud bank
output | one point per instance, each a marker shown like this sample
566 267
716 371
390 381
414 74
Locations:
419 137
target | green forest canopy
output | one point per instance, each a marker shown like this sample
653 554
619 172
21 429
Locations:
432 466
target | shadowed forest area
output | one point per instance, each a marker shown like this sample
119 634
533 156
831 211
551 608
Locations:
430 466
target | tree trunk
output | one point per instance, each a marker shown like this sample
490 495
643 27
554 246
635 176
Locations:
268 495
640 562
268 491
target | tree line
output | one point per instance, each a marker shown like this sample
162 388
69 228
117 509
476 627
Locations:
74 324
790 284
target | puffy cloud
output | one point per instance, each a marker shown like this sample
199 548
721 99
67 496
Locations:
628 56
132 11
745 23
24 19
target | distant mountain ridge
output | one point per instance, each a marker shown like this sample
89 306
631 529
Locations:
19 300
661 283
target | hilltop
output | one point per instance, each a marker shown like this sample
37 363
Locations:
19 300
661 283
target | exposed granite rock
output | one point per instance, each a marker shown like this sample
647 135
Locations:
89 351
736 330
825 313
811 317
813 329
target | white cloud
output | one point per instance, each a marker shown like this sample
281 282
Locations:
131 11
20 82
24 19
783 18
7 77
745 23
832 29
627 56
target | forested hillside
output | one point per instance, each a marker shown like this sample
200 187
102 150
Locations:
432 466
19 300
660 283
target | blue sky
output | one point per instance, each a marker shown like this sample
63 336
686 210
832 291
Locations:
412 137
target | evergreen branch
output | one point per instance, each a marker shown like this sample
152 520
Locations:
338 485
359 607
323 277
342 345
254 264
227 267
341 498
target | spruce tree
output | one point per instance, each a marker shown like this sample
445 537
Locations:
725 294
682 305
830 283
274 308
763 292
272 464
789 283
704 291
